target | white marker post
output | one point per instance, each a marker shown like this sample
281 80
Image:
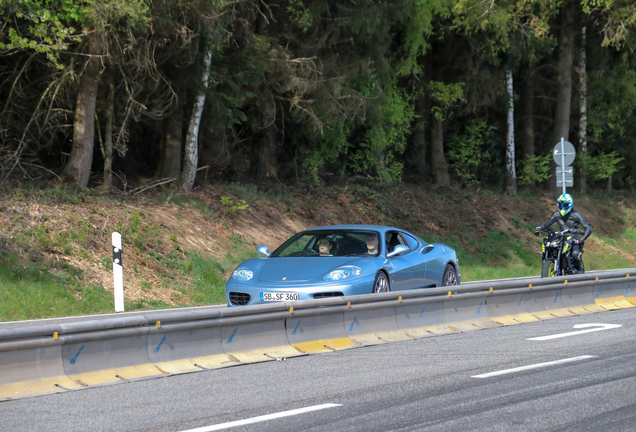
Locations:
118 273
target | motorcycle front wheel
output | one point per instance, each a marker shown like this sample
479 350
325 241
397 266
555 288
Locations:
547 269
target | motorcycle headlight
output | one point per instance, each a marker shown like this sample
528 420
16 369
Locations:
243 274
342 273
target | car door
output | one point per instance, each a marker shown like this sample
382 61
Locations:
408 268
435 257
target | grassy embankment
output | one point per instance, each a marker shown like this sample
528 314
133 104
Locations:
55 245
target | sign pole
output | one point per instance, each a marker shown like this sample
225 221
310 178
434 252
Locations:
118 273
563 163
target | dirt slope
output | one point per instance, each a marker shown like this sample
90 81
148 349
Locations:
72 232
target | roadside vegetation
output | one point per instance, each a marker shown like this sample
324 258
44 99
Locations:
179 249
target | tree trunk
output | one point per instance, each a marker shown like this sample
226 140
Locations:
438 163
564 83
527 120
419 137
511 172
172 130
78 168
583 120
171 141
188 174
267 151
108 136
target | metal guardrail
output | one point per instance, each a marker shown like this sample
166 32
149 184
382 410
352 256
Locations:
61 357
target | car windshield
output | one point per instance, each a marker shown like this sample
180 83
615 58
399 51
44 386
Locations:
324 243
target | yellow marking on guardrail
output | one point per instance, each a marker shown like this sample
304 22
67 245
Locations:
325 345
158 324
596 278
46 385
490 290
610 303
565 282
450 294
116 375
348 304
212 362
291 309
400 299
627 276
55 335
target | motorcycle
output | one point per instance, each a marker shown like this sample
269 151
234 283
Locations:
556 253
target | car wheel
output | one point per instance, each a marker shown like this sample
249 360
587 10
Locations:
450 276
381 283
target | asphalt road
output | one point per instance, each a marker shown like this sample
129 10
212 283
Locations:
581 382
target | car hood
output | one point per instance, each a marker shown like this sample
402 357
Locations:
299 269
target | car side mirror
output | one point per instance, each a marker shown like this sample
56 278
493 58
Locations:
263 250
398 250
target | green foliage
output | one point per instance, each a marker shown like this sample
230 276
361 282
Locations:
445 97
41 26
416 18
603 166
536 171
230 207
33 291
141 235
299 14
467 152
385 139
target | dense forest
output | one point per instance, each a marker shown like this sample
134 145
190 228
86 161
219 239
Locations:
119 94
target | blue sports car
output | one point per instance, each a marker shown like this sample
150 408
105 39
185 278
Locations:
339 261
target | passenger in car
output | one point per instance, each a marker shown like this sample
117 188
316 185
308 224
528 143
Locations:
372 244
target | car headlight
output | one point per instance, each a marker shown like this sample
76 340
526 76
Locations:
342 273
242 274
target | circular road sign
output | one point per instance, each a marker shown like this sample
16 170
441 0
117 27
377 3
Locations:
568 153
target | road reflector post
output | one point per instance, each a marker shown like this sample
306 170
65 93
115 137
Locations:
118 273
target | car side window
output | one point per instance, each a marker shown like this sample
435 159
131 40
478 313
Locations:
392 240
413 243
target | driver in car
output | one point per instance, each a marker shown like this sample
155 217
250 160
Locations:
324 246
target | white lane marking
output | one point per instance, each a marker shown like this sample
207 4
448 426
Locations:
534 366
598 327
262 418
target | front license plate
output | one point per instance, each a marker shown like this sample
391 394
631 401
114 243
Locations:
278 296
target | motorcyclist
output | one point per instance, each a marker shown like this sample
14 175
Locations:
566 218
